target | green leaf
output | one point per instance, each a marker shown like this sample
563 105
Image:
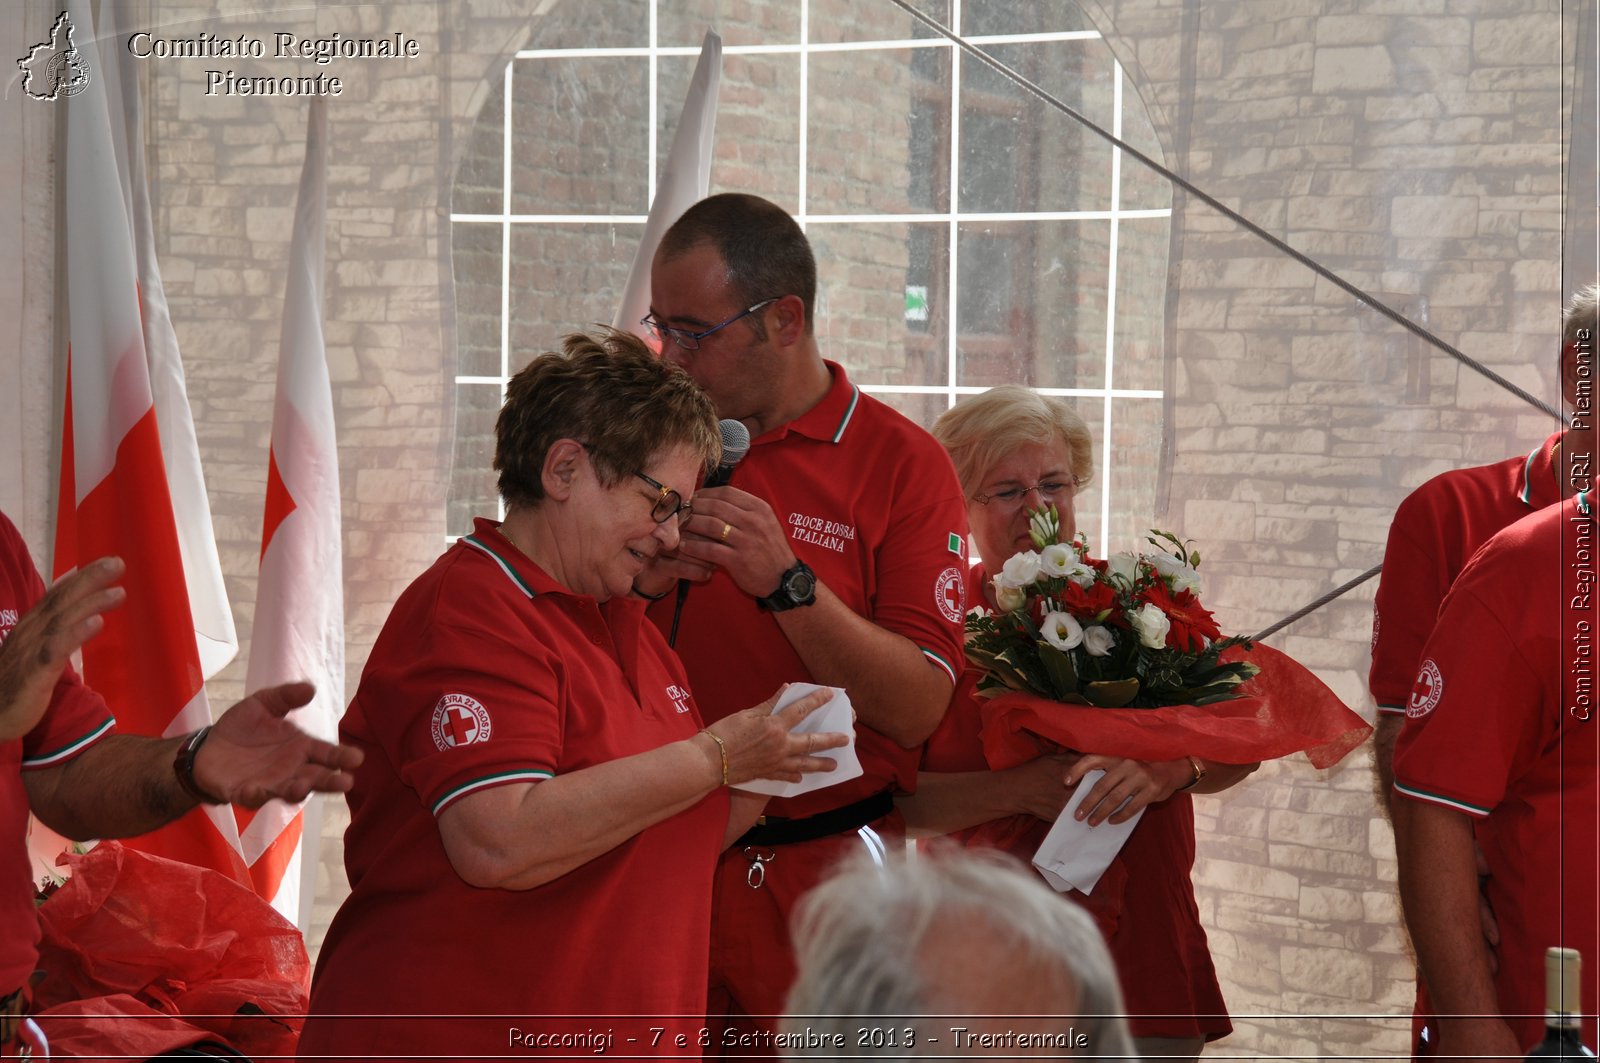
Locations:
1111 693
1058 666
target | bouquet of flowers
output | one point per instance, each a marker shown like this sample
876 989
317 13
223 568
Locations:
1126 631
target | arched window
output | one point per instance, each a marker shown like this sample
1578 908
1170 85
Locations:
966 234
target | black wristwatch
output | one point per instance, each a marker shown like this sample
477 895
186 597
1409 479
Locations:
796 587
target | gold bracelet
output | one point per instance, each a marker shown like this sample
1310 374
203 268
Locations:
1199 773
721 748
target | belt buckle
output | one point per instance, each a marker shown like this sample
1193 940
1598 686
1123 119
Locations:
759 859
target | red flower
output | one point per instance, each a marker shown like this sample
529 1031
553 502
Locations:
1089 602
1192 623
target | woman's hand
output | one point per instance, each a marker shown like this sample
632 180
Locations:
1127 786
1040 787
760 743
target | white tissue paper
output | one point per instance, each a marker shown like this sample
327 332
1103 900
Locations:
1073 856
835 716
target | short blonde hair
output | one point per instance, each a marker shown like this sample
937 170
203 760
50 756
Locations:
981 431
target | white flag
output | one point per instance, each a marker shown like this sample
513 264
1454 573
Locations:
684 183
215 637
113 496
299 622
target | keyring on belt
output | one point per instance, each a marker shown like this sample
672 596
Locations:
759 859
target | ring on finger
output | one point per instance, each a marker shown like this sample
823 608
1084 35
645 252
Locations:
727 529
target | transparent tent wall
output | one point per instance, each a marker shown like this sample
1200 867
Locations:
488 198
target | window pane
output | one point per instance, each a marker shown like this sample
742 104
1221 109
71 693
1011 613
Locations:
1142 187
475 257
919 408
1142 245
1020 154
878 140
1031 303
758 128
472 479
852 20
613 24
873 312
565 278
580 136
1035 16
684 22
479 179
1135 463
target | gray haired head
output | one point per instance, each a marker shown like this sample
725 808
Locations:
961 939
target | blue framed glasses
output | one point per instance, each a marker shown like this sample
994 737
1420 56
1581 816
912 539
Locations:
688 340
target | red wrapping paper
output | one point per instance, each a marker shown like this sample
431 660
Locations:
142 954
1285 709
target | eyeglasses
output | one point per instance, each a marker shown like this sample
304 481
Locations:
669 503
690 341
1047 490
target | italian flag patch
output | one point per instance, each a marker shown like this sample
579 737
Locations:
956 544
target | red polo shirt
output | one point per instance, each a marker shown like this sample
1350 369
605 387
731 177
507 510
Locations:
1435 532
871 503
76 719
1490 733
487 673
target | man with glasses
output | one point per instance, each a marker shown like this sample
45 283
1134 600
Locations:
835 556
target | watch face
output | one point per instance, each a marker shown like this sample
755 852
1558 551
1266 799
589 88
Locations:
801 585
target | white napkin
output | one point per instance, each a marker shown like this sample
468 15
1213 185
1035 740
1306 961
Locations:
1073 856
835 716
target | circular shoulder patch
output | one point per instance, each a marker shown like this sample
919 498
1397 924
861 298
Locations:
1427 690
459 720
951 596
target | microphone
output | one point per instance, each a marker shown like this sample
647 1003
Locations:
735 445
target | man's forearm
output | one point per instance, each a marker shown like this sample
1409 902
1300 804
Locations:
121 786
1439 892
895 689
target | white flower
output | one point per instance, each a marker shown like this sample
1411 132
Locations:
1009 598
1185 579
1180 575
1098 640
1061 630
1057 559
1123 567
1151 624
1019 570
1080 574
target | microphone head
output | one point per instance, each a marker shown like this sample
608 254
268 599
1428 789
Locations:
735 442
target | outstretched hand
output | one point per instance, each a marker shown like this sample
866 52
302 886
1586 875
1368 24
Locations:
253 755
36 651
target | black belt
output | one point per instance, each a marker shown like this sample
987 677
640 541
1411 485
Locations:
775 830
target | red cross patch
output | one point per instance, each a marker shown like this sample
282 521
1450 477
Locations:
1427 690
949 594
459 720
